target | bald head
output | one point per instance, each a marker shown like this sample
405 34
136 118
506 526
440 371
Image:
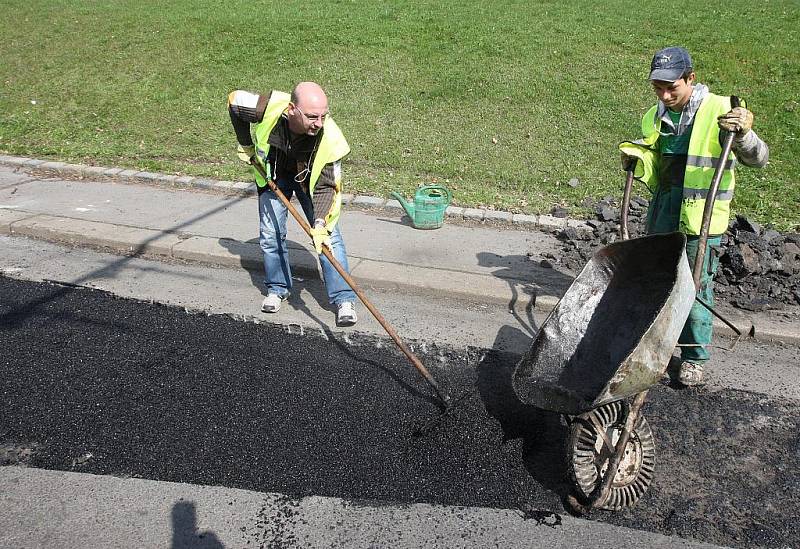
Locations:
308 108
309 94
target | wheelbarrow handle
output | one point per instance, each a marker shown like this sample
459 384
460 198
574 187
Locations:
711 197
603 490
605 482
626 201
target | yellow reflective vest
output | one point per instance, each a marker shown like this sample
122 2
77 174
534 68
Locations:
702 161
332 147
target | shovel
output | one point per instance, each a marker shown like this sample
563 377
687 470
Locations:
350 282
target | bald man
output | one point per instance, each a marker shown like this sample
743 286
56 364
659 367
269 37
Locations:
300 148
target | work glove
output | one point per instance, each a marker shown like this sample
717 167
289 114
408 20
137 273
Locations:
320 236
738 120
628 162
245 152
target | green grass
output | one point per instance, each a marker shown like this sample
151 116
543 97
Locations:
502 101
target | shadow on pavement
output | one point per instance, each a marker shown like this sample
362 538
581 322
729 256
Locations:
422 391
405 220
304 274
113 269
519 272
304 278
185 534
18 184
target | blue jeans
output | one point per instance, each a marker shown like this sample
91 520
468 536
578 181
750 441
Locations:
272 238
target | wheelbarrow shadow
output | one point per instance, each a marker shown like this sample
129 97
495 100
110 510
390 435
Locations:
543 434
527 281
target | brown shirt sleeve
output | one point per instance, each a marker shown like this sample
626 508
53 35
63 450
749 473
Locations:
325 189
246 108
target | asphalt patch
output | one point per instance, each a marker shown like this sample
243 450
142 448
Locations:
105 385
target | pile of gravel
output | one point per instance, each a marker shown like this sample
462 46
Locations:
759 266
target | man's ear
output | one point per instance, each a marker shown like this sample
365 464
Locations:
690 78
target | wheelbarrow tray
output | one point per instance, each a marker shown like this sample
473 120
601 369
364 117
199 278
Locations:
613 332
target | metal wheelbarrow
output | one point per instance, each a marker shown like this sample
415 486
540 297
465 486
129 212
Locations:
609 338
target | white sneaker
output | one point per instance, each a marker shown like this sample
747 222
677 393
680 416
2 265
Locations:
272 303
346 314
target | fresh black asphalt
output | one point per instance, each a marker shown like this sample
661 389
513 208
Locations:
104 385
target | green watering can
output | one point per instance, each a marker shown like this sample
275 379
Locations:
430 202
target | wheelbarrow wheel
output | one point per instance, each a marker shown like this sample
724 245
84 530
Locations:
590 455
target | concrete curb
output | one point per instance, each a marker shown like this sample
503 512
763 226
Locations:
150 243
546 223
125 240
133 241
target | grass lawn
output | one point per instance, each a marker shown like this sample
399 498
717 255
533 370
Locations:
502 101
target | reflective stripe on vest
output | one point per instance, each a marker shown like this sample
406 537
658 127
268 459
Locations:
702 160
701 194
332 147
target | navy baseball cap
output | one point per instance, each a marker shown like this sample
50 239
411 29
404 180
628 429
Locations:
669 64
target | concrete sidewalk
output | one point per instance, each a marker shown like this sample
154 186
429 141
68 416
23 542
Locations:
63 509
490 257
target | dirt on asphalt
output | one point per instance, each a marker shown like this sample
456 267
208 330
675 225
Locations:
104 385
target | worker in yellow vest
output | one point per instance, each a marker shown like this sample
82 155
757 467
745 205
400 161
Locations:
300 148
676 159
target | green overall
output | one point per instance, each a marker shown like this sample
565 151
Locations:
678 170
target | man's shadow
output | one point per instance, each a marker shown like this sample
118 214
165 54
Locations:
185 534
525 278
306 276
305 271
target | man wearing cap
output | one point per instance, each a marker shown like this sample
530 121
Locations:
676 159
300 148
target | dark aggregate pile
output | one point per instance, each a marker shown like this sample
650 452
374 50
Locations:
103 385
759 266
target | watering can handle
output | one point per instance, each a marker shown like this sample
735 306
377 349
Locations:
443 189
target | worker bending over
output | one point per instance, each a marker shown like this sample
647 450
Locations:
300 148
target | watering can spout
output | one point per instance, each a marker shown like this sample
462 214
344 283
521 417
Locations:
409 208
